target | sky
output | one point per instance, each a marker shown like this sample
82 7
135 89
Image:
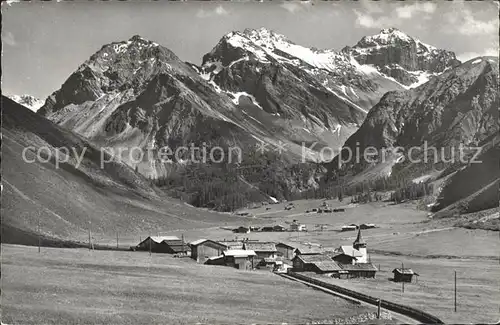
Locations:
44 42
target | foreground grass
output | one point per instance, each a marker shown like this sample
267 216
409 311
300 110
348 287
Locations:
76 286
478 290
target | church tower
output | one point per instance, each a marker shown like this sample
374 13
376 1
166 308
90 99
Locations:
360 245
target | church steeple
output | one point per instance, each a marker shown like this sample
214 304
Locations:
359 242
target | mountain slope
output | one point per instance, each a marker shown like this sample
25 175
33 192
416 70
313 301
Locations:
60 202
458 109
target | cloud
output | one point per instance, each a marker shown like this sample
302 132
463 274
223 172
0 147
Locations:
373 14
8 38
218 11
461 20
367 20
466 56
296 6
407 12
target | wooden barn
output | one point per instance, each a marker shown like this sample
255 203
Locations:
360 270
262 249
403 275
240 259
321 264
203 249
285 250
164 244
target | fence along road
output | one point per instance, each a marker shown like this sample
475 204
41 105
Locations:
405 314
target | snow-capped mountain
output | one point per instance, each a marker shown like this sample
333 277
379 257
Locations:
254 86
406 59
28 101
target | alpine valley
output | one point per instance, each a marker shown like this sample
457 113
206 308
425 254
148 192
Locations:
256 88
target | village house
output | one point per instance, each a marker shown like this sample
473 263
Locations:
262 250
403 275
240 259
294 226
164 244
320 264
203 249
285 250
267 229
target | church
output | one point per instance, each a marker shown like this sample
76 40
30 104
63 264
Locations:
354 258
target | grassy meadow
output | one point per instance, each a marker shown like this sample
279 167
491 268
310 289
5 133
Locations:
77 286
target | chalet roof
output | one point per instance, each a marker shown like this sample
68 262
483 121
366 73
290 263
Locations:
239 253
232 244
359 267
197 242
342 254
260 247
359 239
351 251
313 258
304 250
290 245
405 271
159 239
322 262
202 241
326 266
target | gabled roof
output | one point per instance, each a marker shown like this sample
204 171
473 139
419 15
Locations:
260 247
313 258
289 245
159 239
239 253
322 262
359 267
404 271
197 242
351 251
232 244
313 250
202 241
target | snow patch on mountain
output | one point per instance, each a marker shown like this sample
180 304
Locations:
28 101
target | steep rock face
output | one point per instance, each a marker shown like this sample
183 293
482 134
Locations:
400 56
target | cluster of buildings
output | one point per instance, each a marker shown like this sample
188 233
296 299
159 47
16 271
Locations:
345 262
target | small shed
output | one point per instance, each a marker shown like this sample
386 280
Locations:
403 275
